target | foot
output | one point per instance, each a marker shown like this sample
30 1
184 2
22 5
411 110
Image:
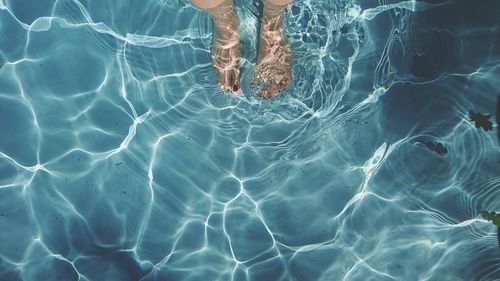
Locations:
226 46
273 71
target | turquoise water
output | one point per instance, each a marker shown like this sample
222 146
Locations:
120 158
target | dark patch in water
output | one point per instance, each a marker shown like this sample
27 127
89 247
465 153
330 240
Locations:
437 147
481 120
494 217
344 29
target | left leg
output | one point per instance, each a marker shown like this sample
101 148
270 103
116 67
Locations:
226 44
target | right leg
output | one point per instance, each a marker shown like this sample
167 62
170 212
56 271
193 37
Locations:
226 44
273 62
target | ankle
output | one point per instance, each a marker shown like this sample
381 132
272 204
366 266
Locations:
275 7
206 5
271 11
283 3
272 19
222 11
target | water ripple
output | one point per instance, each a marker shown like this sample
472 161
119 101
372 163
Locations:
120 159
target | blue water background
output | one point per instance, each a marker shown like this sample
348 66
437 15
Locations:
121 159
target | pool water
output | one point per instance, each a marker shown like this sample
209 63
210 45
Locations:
121 159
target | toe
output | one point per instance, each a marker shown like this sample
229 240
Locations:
229 81
234 80
222 80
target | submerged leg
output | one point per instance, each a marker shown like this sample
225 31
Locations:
273 71
226 44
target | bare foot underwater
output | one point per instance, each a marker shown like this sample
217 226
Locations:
273 71
226 43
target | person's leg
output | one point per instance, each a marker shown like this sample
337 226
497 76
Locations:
226 44
278 2
273 62
206 4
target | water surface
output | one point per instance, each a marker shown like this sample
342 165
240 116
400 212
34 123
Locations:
121 159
